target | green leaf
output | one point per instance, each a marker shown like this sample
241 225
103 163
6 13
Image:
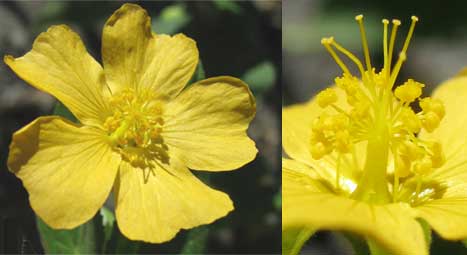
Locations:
171 20
62 111
108 219
227 5
278 200
196 241
261 77
80 240
294 238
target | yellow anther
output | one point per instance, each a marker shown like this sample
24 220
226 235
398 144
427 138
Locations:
360 109
409 91
326 97
410 150
396 22
385 21
318 150
410 120
402 166
430 121
348 83
341 121
423 166
343 142
155 133
429 104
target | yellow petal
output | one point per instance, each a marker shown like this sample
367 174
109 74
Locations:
67 170
307 204
135 57
60 65
296 129
447 216
452 131
206 124
154 206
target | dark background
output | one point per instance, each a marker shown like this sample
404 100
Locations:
241 39
438 51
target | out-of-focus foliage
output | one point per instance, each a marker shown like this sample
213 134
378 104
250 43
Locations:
261 77
241 39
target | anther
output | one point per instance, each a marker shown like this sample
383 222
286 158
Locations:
326 97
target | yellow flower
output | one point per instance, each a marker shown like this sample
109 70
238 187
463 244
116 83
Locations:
393 170
139 130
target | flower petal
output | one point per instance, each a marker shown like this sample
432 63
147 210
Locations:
154 206
206 124
447 216
135 57
67 170
60 65
309 203
452 131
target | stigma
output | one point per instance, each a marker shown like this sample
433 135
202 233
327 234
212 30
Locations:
136 124
368 108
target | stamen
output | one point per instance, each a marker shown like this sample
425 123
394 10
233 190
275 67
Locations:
385 43
395 24
327 42
350 56
397 68
409 35
359 19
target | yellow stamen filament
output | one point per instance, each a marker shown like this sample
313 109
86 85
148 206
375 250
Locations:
409 35
326 42
385 43
350 56
395 24
359 19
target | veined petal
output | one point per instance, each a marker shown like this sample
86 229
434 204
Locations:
135 57
67 170
152 205
451 132
60 65
206 124
307 202
447 216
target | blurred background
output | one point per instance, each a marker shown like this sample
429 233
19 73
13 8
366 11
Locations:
241 39
437 52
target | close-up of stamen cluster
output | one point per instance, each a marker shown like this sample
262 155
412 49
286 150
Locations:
369 110
135 126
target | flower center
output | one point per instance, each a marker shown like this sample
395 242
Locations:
382 118
135 126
